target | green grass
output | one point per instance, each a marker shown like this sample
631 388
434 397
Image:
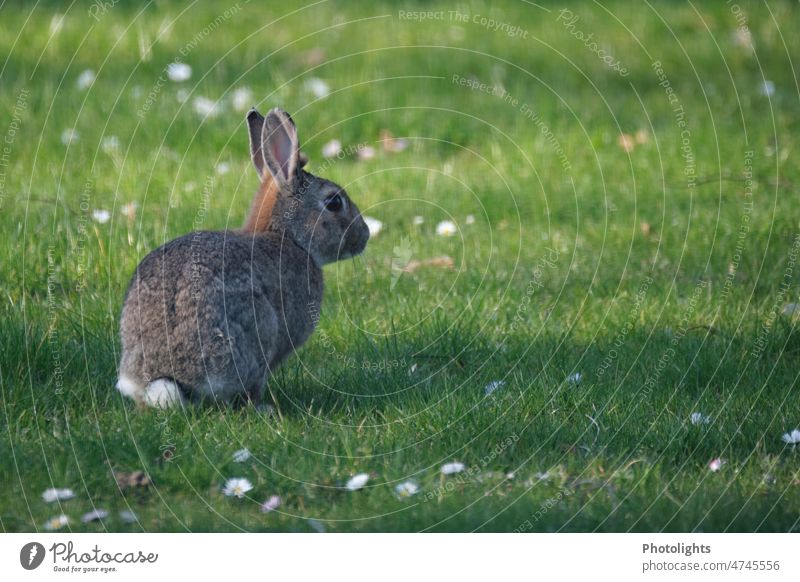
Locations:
582 259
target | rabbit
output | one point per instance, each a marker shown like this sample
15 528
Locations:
209 315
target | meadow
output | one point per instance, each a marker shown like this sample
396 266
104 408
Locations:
580 298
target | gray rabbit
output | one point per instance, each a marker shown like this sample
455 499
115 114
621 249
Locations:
209 315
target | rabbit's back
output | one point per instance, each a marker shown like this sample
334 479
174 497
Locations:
213 311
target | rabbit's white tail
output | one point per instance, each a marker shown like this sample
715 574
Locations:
161 393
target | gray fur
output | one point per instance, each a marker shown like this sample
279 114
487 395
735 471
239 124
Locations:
216 312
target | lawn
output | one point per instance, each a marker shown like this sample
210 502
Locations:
623 194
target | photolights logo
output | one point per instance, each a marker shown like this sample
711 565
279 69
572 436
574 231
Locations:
31 555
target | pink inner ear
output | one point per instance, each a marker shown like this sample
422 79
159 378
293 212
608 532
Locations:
281 149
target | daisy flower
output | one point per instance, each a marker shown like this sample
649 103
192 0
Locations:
56 523
101 215
242 98
95 515
271 504
332 149
51 495
452 468
86 79
406 489
492 386
716 464
69 136
127 516
446 228
317 87
792 438
206 107
357 482
237 487
241 455
178 72
374 225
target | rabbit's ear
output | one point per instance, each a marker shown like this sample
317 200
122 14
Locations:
279 146
255 125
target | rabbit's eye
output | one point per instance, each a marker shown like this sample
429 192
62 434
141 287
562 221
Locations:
334 203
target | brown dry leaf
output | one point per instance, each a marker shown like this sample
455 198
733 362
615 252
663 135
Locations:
443 262
626 142
134 479
313 57
391 143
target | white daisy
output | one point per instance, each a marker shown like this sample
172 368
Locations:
95 515
357 482
271 504
366 153
179 72
242 98
699 418
374 225
70 136
56 523
446 228
110 144
86 79
127 516
237 487
452 468
100 215
332 149
317 87
716 464
792 438
53 494
206 107
492 386
241 455
406 489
